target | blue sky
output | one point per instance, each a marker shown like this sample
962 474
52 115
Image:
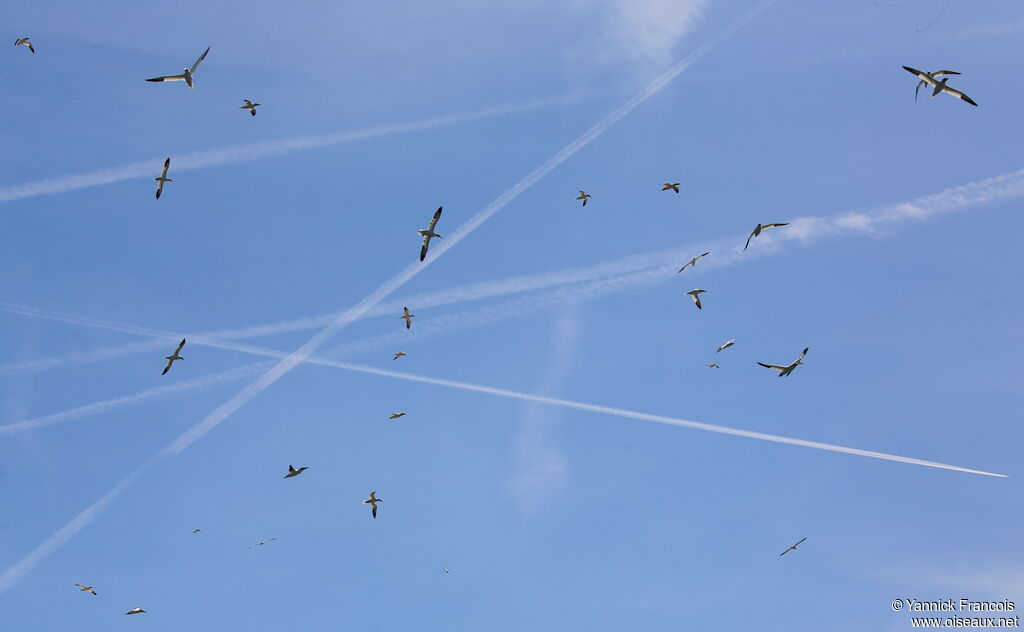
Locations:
899 271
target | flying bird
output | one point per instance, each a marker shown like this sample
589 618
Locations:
712 366
407 316
428 233
396 415
174 356
759 228
583 196
693 262
185 76
249 105
929 78
695 294
294 472
670 185
786 370
372 501
444 570
262 542
86 588
725 346
195 531
135 611
399 355
25 41
792 548
922 82
163 178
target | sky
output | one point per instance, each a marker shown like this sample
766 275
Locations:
566 453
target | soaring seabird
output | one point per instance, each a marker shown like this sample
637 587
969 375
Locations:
428 232
792 548
407 316
759 228
185 76
396 415
786 370
695 295
163 178
25 41
583 196
670 185
262 542
725 346
693 262
249 105
294 472
929 78
399 355
174 356
86 588
372 501
135 611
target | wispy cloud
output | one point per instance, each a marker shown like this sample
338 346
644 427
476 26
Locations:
249 152
107 405
306 351
540 470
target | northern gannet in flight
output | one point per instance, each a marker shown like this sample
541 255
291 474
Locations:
185 76
428 232
670 185
195 531
249 105
444 570
174 356
725 346
759 228
940 86
399 355
262 542
135 611
163 178
583 196
693 262
294 472
695 295
372 501
25 41
396 415
407 316
712 366
86 588
792 548
786 370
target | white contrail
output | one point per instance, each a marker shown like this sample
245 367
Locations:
305 351
322 361
107 405
247 152
571 284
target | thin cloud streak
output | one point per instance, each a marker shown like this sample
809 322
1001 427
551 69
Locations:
620 412
304 352
571 284
107 405
248 152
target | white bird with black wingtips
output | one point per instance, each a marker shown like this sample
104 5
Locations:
185 76
428 233
163 178
792 548
372 501
929 78
786 370
174 356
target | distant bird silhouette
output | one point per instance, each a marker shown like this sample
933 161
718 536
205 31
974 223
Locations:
262 542
25 41
174 356
135 611
583 196
693 262
372 501
725 346
929 78
670 185
294 472
759 228
792 548
407 316
396 415
786 370
86 588
249 105
399 355
695 295
428 233
163 178
185 76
